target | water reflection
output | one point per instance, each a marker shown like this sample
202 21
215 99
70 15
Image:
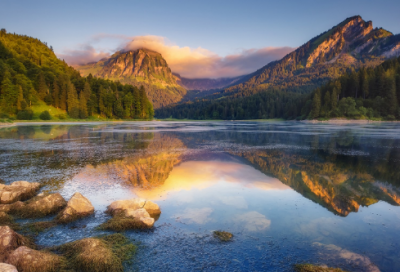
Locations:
258 180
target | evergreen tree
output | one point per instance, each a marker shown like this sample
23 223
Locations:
42 87
72 101
316 104
20 100
83 113
56 94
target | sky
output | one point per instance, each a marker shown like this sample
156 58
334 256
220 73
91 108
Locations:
197 38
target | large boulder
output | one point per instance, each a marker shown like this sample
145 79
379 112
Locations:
133 213
39 206
133 204
18 191
77 207
27 259
7 268
9 241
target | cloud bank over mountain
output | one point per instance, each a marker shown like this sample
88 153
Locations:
186 61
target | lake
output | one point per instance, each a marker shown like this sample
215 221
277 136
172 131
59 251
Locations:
290 192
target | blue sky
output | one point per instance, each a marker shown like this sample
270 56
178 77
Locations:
221 27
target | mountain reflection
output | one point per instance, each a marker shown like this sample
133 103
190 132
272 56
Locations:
339 189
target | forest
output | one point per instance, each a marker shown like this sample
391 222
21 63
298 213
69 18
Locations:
31 75
368 93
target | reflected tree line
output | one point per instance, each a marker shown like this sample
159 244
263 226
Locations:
341 172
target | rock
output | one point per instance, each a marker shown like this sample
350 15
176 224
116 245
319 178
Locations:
223 236
315 268
7 268
77 207
26 259
152 208
142 216
9 241
131 214
99 254
18 191
39 206
134 204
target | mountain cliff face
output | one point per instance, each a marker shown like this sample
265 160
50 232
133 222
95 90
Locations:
352 43
140 67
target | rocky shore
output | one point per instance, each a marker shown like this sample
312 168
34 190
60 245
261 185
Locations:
21 199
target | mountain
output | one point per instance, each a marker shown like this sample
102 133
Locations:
205 84
139 67
282 89
352 43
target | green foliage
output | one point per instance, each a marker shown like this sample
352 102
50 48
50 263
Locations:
25 114
367 93
45 115
31 73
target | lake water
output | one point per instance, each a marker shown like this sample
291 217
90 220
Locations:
290 192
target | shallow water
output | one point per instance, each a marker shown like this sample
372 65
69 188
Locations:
290 192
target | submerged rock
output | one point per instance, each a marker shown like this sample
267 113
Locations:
9 241
223 236
77 207
39 206
131 214
18 191
7 268
27 259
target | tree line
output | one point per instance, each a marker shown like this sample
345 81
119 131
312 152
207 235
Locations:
372 93
30 72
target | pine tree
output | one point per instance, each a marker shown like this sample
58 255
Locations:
72 101
87 91
42 87
83 113
63 94
316 104
9 94
391 99
20 100
56 94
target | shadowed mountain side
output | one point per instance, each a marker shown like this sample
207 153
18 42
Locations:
204 84
338 189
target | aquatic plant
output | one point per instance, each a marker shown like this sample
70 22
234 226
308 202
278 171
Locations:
223 236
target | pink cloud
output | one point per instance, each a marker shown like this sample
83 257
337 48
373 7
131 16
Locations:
186 61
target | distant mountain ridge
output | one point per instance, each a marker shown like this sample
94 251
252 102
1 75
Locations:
140 67
352 43
204 84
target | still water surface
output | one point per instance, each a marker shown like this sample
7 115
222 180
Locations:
290 192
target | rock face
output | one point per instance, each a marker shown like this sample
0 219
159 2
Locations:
9 241
26 259
77 207
41 205
17 191
352 43
140 67
7 268
131 214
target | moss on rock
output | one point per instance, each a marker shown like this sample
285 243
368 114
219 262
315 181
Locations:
98 254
